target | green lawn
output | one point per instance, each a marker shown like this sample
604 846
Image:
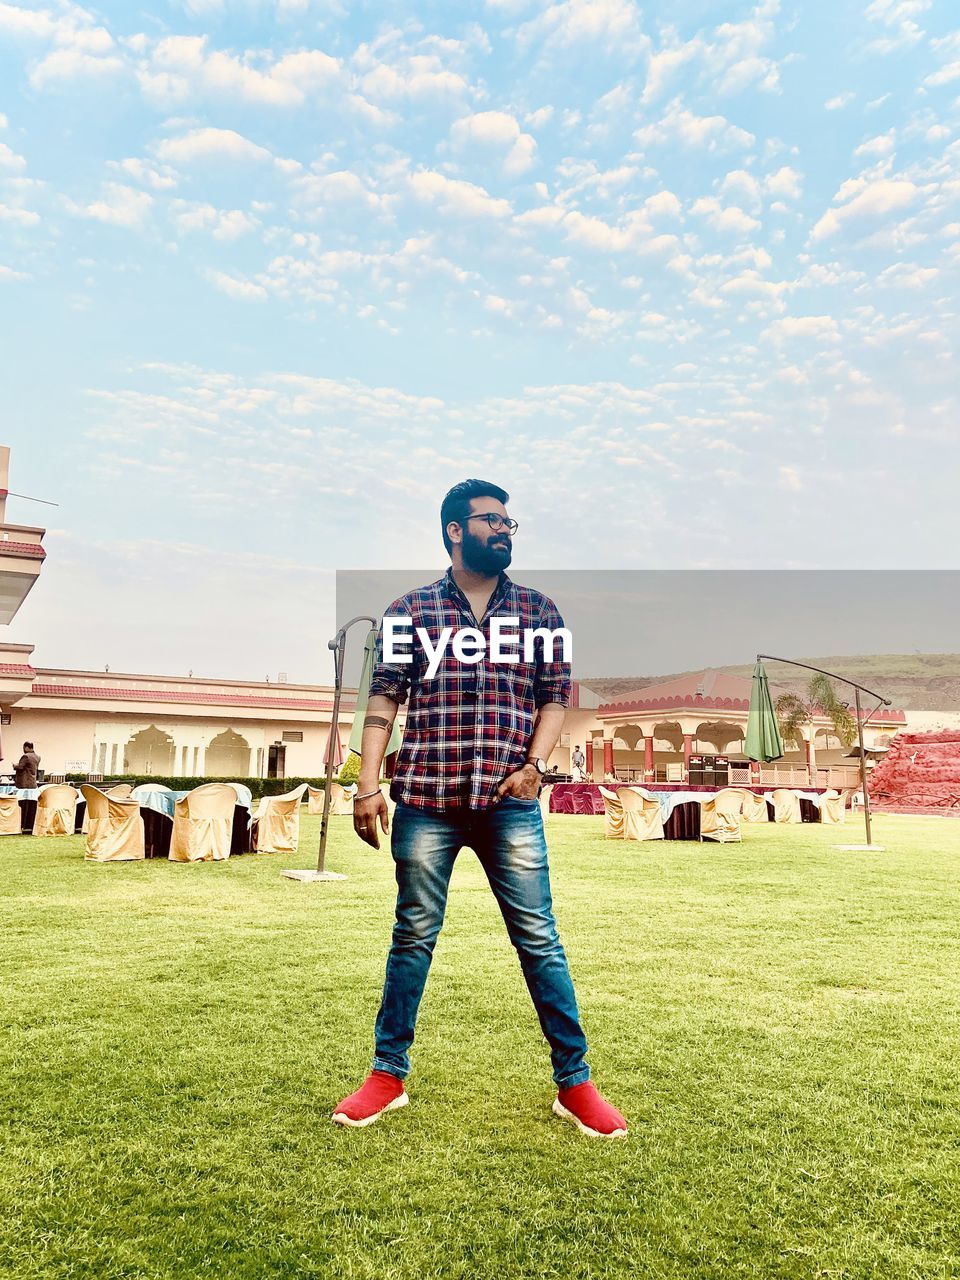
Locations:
779 1021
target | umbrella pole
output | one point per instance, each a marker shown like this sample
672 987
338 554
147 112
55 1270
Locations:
338 644
863 765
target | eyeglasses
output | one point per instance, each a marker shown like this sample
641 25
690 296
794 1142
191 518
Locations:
497 522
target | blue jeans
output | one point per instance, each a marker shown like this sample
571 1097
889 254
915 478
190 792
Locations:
508 840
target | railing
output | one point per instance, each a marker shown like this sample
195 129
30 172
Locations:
771 775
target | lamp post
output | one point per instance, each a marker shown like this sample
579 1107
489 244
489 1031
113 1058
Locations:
339 645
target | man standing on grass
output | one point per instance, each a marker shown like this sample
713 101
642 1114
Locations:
468 774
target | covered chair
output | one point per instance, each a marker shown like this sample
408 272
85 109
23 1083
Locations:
544 800
786 805
278 822
202 824
754 807
642 815
831 808
114 827
341 799
612 814
720 817
122 791
10 816
56 811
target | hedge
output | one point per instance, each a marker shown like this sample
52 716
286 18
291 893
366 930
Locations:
258 786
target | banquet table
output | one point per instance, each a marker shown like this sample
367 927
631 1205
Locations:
157 810
680 808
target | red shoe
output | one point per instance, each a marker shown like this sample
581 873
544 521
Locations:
589 1111
380 1092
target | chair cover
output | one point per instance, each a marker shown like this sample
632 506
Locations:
831 808
10 816
544 801
642 815
202 824
786 805
278 822
720 817
122 791
612 814
114 827
56 811
754 806
145 788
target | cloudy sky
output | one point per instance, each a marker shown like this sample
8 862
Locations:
274 273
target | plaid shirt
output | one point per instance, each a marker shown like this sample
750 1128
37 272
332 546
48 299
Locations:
470 725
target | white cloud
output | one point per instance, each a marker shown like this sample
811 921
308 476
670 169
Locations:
70 64
878 147
573 22
242 290
662 205
898 16
119 205
712 133
820 328
840 101
740 183
946 75
751 284
500 130
341 187
179 67
211 144
729 218
23 217
8 273
223 224
10 160
456 196
907 275
663 65
537 119
873 198
786 182
72 27
146 174
388 70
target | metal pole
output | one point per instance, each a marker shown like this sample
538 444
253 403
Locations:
856 693
863 765
769 657
339 645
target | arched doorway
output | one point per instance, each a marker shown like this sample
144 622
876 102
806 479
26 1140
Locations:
227 755
149 751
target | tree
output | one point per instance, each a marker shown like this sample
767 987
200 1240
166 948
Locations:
349 770
794 712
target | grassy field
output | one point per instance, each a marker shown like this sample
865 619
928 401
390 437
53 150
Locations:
779 1021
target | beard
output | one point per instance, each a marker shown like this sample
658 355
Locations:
480 557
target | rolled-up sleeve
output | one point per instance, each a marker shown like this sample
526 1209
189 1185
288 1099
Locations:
390 679
553 680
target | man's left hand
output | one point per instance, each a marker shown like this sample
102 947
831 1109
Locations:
523 783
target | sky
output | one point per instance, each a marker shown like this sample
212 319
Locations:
274 274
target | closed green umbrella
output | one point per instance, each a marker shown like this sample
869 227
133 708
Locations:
763 741
363 693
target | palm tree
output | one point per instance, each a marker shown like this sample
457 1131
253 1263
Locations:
794 712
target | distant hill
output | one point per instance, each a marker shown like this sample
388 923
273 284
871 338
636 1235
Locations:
912 681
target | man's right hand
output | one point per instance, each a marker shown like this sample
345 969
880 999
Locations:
367 813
